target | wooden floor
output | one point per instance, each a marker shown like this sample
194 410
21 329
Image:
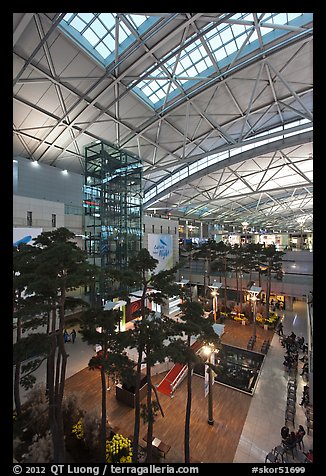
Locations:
208 443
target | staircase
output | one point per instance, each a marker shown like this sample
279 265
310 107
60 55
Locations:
176 375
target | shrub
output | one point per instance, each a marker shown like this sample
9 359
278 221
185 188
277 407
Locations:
41 451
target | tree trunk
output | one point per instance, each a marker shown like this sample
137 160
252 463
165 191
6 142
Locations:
137 409
56 379
188 414
241 293
190 273
103 422
17 373
225 287
52 403
150 414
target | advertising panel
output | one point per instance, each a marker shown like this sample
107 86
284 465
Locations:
161 248
25 235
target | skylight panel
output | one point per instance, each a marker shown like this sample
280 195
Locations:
280 19
78 24
108 20
195 56
226 35
91 37
224 41
220 54
87 17
109 42
253 36
68 16
192 71
215 42
122 34
137 20
99 28
90 29
160 93
147 90
238 30
102 49
231 47
185 62
291 16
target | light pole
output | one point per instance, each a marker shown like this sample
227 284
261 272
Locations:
215 287
254 291
209 353
182 283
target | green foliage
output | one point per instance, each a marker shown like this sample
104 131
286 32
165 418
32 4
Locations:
144 413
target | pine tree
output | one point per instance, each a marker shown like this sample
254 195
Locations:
155 287
59 266
192 325
101 327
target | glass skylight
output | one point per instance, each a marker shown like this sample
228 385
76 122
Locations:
205 162
97 32
198 62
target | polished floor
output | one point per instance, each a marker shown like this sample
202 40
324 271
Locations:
261 430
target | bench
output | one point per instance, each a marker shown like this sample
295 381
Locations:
265 346
251 342
158 445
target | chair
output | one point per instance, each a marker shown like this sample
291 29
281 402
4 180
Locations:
290 407
301 457
291 399
271 457
292 391
290 448
279 451
310 426
292 382
289 416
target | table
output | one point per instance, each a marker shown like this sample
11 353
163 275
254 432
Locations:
163 448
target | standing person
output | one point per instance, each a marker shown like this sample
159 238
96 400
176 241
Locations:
65 336
285 432
73 336
280 329
299 435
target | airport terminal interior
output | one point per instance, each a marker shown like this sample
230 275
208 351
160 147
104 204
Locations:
163 238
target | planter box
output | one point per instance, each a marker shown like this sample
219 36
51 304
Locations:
127 394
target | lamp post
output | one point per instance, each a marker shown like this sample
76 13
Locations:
209 353
254 291
182 283
215 287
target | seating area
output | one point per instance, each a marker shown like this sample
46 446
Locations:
265 346
290 408
292 447
280 454
251 342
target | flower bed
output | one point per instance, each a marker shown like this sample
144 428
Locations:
118 450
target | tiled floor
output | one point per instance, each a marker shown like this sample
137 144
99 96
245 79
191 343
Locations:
261 431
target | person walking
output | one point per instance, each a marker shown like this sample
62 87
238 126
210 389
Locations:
65 336
280 329
73 335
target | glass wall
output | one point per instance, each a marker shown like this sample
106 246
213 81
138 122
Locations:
112 206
